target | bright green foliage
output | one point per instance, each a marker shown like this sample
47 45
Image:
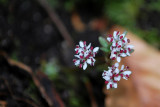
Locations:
125 32
105 49
4 2
50 68
123 12
14 56
69 5
127 12
132 50
54 3
154 5
103 42
105 45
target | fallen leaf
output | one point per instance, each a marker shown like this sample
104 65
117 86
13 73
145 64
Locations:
77 23
142 89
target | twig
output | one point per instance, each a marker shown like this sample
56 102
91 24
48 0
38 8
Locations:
28 69
91 95
26 101
9 89
16 98
37 82
54 17
50 88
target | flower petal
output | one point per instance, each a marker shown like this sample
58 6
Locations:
116 65
130 46
95 49
125 39
77 56
109 39
122 67
114 85
110 68
120 43
113 43
123 55
81 44
104 73
80 50
108 85
106 78
89 61
116 71
127 72
93 60
77 62
122 35
89 46
128 54
76 49
112 55
118 59
85 66
86 54
118 78
115 35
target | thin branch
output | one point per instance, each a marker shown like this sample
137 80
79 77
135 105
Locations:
56 20
90 92
50 88
35 79
9 89
16 98
37 82
26 101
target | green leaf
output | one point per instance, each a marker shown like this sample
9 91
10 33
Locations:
132 50
103 42
105 49
125 33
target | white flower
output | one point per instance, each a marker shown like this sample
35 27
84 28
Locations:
119 47
111 84
113 75
85 55
117 78
126 74
107 74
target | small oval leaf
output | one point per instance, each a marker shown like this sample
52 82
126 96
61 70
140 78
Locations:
103 42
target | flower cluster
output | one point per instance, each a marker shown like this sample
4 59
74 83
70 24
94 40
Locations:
119 47
113 75
85 55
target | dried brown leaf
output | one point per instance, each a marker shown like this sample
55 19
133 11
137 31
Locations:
142 89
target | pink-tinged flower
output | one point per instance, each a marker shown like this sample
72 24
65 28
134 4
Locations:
85 55
113 75
111 84
119 47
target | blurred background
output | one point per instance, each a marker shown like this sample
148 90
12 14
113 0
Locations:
37 40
